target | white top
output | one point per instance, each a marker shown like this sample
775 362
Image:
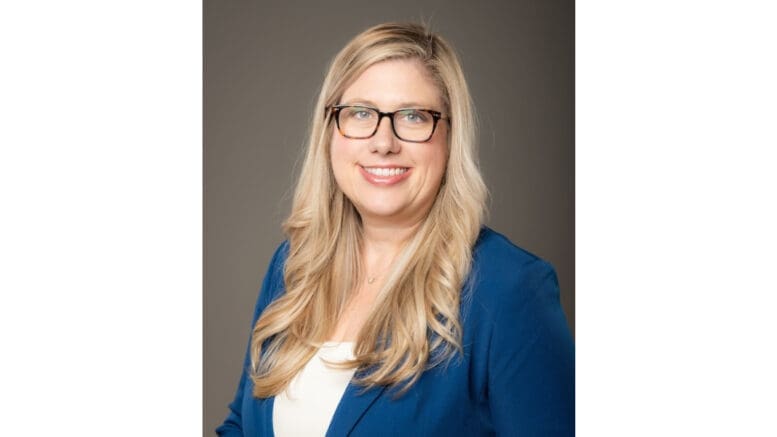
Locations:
306 407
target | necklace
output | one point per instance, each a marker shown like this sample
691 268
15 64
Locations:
371 279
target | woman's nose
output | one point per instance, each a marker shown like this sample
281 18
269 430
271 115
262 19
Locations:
384 141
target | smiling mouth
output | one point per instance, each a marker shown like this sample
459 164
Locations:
385 172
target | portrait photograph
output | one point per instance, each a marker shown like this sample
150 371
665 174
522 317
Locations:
244 218
265 64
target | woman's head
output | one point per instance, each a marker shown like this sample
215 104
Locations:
389 150
426 74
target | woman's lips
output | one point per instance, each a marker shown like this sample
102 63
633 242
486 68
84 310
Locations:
383 176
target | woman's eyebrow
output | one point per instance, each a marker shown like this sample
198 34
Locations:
359 102
402 105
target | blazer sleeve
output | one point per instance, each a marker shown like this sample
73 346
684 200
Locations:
272 283
531 363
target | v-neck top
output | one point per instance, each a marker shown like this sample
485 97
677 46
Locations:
306 407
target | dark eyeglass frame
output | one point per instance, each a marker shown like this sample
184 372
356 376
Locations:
334 112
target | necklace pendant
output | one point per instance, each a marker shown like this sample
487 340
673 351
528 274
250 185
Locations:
370 280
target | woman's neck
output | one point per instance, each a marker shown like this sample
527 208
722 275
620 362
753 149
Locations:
386 239
381 244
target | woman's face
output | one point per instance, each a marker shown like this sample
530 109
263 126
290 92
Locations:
391 181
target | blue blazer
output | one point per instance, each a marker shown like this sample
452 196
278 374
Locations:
515 377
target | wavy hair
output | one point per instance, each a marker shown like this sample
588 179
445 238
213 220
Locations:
414 324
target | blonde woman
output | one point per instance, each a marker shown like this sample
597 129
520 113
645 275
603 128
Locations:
391 309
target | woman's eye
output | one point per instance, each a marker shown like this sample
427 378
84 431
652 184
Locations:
413 116
360 114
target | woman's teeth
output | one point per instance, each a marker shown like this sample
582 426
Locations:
385 171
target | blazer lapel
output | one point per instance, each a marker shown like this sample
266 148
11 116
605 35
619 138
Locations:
257 419
352 406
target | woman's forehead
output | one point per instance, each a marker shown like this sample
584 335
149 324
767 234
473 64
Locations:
396 83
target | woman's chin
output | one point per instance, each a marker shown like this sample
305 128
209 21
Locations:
383 211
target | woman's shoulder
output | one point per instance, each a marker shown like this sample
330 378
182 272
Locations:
491 244
273 286
280 254
278 261
504 274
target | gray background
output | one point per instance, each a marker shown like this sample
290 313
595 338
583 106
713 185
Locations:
264 63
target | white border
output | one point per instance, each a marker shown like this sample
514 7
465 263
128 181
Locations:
676 218
101 234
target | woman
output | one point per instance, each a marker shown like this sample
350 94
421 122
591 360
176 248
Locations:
391 309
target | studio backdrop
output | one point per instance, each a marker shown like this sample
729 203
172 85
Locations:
263 65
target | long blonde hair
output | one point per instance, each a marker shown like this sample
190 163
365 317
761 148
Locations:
415 322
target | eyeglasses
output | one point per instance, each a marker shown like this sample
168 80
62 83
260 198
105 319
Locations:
361 122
